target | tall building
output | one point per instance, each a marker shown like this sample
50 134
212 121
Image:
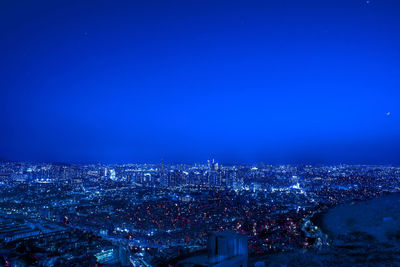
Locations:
112 174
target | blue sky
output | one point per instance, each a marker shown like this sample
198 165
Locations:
241 81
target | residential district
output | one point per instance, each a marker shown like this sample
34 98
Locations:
160 214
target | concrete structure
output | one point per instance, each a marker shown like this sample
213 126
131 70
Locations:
227 249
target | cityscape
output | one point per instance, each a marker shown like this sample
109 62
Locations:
199 133
56 214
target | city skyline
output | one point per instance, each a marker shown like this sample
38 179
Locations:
151 215
194 163
189 133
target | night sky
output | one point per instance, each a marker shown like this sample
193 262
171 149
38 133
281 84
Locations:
241 81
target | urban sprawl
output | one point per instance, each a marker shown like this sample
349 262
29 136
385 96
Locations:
149 214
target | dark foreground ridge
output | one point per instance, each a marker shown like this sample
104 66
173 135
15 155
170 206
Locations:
365 233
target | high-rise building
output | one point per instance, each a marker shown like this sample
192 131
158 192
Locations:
112 174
